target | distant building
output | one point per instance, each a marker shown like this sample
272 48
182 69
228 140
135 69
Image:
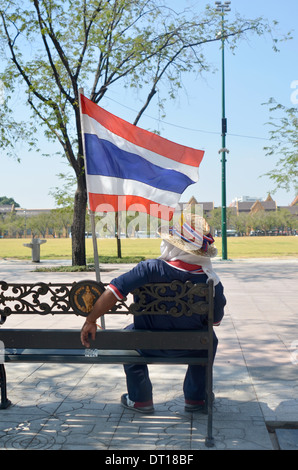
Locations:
246 199
292 208
23 212
207 206
31 212
252 205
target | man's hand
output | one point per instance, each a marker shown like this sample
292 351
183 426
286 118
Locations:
103 304
88 328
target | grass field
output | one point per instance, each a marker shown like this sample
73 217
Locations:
238 247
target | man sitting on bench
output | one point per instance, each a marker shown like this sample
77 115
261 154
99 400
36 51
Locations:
185 255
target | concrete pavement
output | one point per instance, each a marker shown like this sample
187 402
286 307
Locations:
255 376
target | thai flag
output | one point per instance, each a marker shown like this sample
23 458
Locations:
129 168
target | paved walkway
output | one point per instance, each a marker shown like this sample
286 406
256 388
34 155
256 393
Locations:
255 376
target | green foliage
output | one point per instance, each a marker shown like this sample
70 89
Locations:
56 222
284 144
64 196
265 221
8 201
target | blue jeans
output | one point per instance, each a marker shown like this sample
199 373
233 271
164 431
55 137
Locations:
139 385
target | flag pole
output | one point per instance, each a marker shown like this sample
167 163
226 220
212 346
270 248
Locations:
91 213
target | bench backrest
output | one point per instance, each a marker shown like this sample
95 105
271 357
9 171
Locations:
62 298
183 298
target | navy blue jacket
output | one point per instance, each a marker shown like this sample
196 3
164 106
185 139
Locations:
157 270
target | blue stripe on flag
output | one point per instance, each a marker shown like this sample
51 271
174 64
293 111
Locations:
105 158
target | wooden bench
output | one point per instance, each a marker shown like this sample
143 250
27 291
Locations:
110 346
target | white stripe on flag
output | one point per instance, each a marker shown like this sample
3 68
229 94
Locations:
98 184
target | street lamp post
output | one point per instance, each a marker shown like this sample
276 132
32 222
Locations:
223 8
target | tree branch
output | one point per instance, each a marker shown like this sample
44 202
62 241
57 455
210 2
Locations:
43 28
87 29
64 139
17 64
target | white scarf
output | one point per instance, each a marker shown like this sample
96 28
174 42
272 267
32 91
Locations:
171 253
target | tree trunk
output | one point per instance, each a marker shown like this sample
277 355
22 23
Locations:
119 255
117 227
78 225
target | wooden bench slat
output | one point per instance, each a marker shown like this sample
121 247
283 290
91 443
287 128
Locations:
105 339
52 357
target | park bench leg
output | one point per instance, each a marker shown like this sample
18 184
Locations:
209 441
5 403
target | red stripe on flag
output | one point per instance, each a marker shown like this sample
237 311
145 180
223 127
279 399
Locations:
141 137
110 203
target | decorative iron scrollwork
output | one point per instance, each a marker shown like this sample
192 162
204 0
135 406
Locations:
59 298
175 298
38 298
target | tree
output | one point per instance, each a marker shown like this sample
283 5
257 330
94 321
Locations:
55 47
39 224
214 218
61 221
284 131
8 201
285 221
240 223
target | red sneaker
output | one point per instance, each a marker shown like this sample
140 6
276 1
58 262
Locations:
140 407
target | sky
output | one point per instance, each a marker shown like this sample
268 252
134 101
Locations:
253 74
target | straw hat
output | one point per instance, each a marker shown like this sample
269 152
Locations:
192 235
